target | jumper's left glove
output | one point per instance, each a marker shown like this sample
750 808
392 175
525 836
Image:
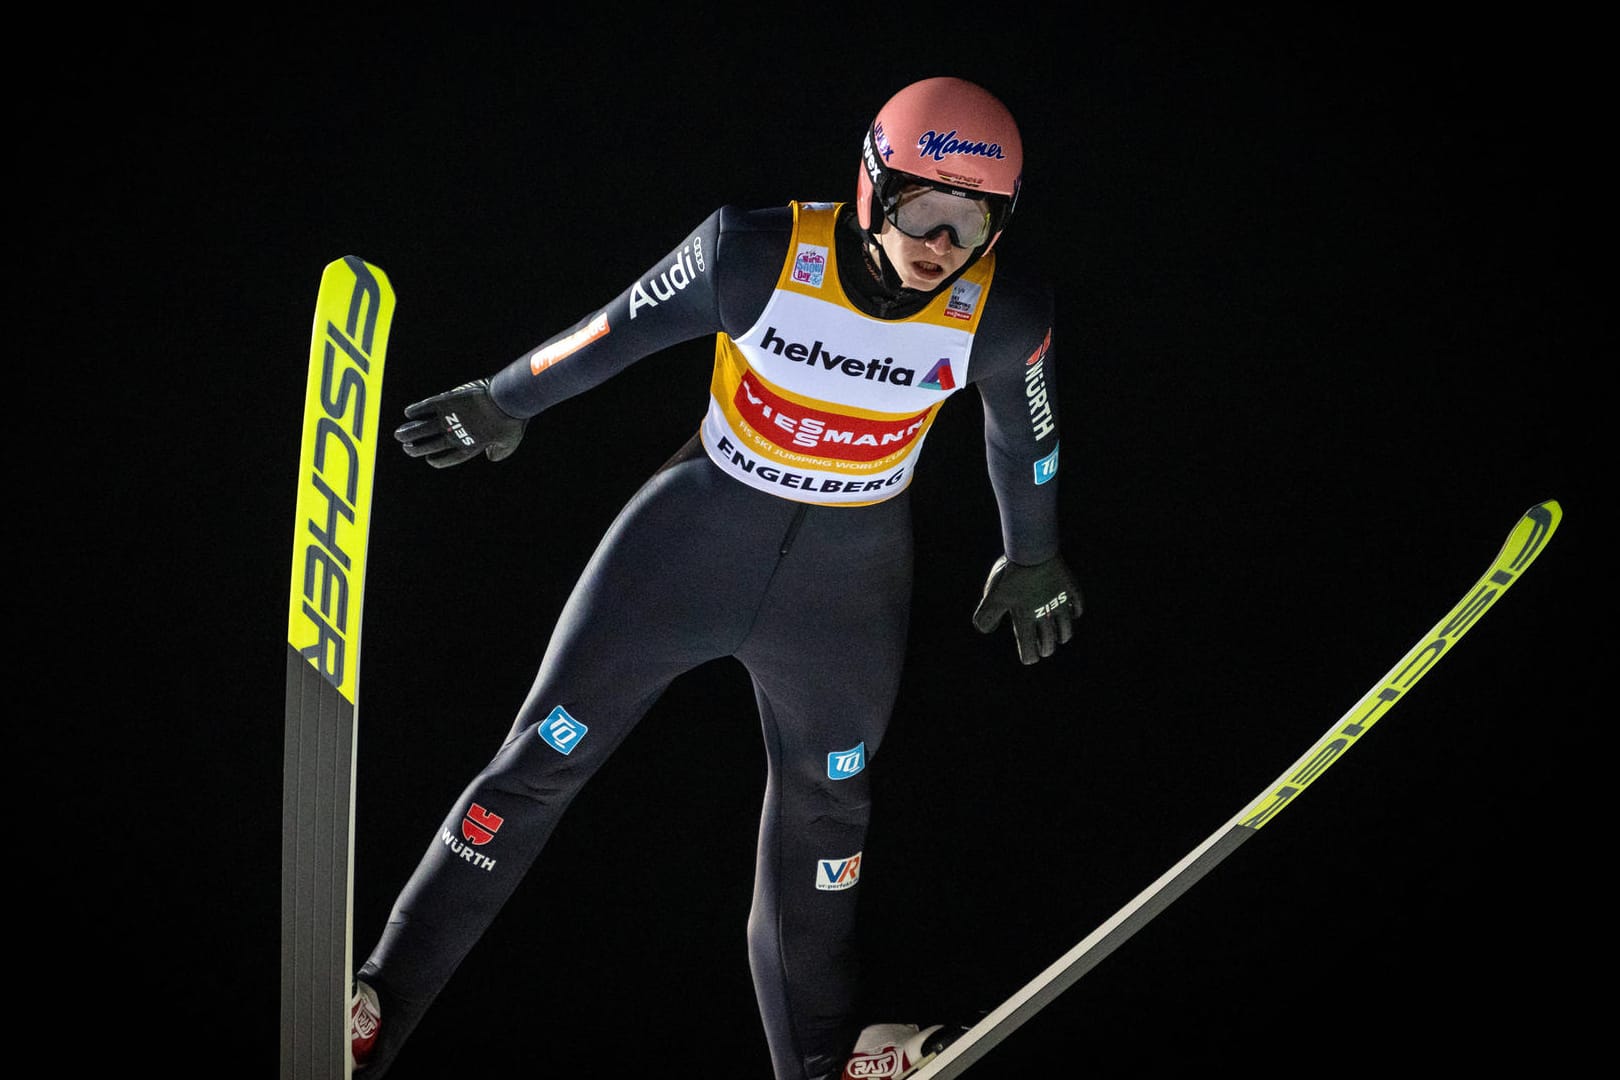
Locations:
1043 601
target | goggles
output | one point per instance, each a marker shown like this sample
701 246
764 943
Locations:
920 212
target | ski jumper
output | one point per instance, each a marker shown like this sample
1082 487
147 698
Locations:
790 505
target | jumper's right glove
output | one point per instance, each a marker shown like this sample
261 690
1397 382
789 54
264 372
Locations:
1043 601
450 428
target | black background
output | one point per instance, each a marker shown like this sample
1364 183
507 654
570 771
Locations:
1328 319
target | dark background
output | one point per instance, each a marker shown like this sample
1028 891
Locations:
1328 319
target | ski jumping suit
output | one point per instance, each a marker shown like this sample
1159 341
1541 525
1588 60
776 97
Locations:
817 412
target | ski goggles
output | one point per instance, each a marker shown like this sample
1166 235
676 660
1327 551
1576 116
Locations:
920 212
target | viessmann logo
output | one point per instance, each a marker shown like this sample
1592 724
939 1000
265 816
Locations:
846 438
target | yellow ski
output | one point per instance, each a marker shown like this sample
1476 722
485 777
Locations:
338 453
1523 544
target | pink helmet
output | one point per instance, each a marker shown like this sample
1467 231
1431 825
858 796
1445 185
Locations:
946 133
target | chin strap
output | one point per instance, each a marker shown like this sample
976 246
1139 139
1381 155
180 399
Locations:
877 262
881 268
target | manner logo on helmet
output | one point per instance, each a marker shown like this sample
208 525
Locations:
810 265
561 731
936 145
480 826
836 875
843 764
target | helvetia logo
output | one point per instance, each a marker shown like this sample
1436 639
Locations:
939 376
480 826
836 875
817 355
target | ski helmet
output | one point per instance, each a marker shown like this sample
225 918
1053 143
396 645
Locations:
947 134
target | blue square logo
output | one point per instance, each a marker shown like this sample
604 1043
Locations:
1046 468
843 764
561 731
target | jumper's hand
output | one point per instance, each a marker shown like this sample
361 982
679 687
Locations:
1043 601
450 428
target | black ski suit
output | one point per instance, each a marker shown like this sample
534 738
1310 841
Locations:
790 507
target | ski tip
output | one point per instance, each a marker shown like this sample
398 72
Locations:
1547 513
356 265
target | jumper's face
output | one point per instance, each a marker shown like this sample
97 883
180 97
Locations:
922 264
929 233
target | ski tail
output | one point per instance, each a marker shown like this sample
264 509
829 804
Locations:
1527 540
338 450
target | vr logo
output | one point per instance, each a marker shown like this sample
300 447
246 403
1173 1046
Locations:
561 731
836 875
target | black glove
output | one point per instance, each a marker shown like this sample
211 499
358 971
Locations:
447 429
1043 601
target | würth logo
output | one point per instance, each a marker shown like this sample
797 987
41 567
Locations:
480 826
